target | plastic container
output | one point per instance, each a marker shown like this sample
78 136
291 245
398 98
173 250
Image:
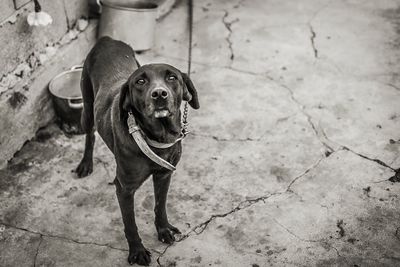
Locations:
133 22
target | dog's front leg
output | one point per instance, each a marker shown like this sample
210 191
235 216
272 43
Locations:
137 252
165 230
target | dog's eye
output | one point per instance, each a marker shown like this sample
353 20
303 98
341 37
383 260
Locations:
140 81
171 78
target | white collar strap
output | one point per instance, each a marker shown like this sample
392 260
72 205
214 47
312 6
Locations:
156 144
139 137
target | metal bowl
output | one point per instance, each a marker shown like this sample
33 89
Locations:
67 98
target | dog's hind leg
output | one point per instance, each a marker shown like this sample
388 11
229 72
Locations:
85 167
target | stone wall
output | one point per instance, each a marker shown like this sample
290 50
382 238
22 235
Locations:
30 58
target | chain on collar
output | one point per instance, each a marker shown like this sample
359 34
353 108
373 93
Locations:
185 123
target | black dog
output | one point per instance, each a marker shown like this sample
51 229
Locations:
114 85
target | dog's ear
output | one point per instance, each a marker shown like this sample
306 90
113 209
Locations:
189 92
125 104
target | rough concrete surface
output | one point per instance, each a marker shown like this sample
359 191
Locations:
291 162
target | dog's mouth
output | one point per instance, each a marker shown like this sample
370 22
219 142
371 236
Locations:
161 113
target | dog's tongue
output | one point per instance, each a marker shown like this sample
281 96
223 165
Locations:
161 113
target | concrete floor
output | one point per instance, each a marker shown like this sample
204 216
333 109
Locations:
291 160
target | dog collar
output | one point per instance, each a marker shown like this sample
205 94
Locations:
156 144
143 143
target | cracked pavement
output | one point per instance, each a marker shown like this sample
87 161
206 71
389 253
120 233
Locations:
293 158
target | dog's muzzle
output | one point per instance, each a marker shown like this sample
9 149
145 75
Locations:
160 97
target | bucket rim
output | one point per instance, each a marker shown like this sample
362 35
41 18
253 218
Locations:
151 7
51 85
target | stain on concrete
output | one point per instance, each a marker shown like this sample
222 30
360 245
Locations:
90 199
148 202
341 231
367 190
68 192
18 242
44 134
393 116
196 260
393 16
171 263
352 240
281 173
393 146
16 214
234 235
10 184
17 99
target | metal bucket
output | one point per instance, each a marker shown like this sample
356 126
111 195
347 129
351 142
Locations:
67 98
132 22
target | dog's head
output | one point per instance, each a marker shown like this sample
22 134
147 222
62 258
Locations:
156 91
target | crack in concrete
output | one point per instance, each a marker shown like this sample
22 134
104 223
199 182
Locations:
246 139
261 74
37 250
393 86
320 134
63 237
346 148
221 139
312 39
306 240
228 26
313 166
200 228
375 160
378 161
313 33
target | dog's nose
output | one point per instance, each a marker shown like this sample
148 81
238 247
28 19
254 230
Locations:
159 93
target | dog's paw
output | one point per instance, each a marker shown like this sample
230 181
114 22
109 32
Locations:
166 234
140 256
84 168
